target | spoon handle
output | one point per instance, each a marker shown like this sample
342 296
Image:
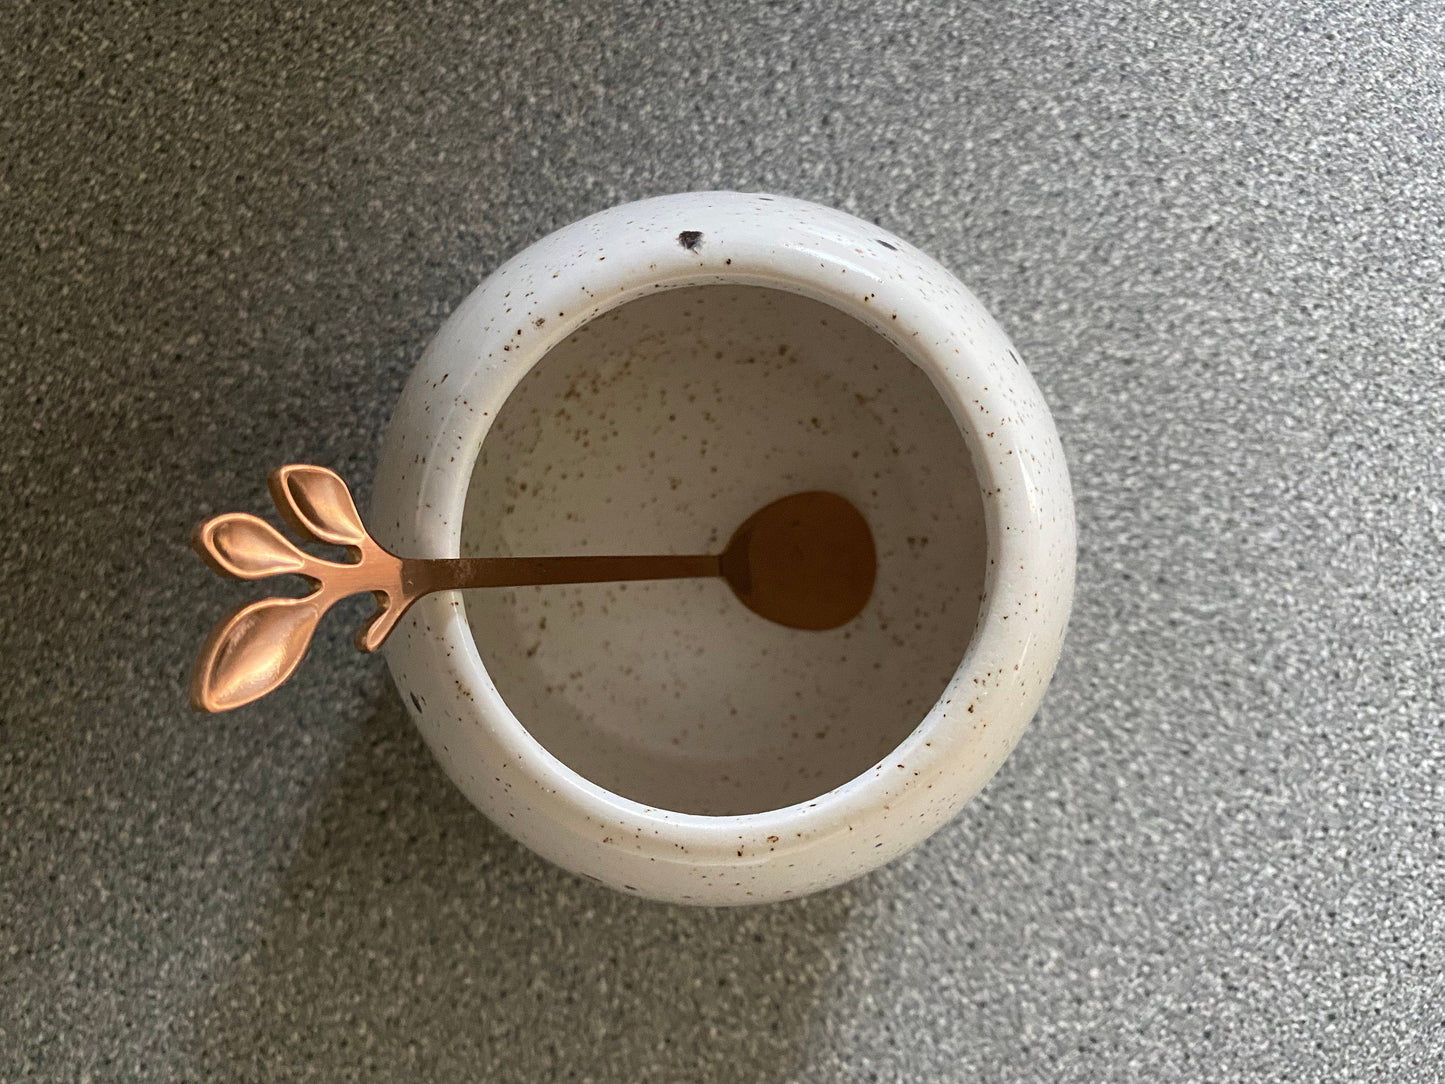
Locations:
421 577
258 646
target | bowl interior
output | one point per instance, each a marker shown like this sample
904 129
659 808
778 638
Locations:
659 427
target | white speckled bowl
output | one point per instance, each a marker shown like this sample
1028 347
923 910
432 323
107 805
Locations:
639 382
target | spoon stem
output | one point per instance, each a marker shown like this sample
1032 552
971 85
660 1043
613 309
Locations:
421 577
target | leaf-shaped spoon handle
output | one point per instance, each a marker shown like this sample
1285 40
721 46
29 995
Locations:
259 645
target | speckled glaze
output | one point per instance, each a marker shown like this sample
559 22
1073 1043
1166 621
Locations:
654 373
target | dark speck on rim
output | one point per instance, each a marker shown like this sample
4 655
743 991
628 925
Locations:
690 240
885 244
417 701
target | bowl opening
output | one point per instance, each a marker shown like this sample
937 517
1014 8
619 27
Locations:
657 427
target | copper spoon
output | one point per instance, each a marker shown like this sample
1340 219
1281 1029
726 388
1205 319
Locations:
806 561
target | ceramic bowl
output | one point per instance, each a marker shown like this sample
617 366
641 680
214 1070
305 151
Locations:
641 381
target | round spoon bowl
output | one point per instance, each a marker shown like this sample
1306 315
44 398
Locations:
806 561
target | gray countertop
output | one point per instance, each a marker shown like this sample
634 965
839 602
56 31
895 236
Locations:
1213 230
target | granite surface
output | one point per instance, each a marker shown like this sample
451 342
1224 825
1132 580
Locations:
1215 232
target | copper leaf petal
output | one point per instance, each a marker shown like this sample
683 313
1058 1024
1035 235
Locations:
253 651
246 547
317 503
